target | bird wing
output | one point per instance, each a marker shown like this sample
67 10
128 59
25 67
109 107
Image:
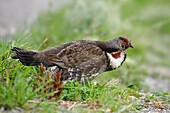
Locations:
82 61
78 54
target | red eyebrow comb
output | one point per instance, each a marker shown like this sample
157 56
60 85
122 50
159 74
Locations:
125 39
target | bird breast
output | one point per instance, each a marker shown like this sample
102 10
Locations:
116 58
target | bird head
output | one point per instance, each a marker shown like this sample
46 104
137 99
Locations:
124 43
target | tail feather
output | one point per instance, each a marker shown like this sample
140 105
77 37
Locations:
26 57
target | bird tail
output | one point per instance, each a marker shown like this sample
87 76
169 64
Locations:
26 57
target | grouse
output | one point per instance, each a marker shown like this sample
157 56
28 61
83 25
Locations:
82 60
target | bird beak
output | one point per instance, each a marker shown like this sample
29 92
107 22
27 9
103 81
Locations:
131 46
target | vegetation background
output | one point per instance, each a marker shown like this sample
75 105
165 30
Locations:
140 85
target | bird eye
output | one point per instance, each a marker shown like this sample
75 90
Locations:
124 39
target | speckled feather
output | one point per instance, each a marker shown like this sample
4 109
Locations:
79 59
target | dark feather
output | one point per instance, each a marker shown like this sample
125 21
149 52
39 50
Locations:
26 57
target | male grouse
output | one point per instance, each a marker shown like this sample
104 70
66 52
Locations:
81 60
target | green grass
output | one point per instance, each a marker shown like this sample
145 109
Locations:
146 23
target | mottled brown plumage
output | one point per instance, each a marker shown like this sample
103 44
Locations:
81 59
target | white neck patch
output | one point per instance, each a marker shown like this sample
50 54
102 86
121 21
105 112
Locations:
115 63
